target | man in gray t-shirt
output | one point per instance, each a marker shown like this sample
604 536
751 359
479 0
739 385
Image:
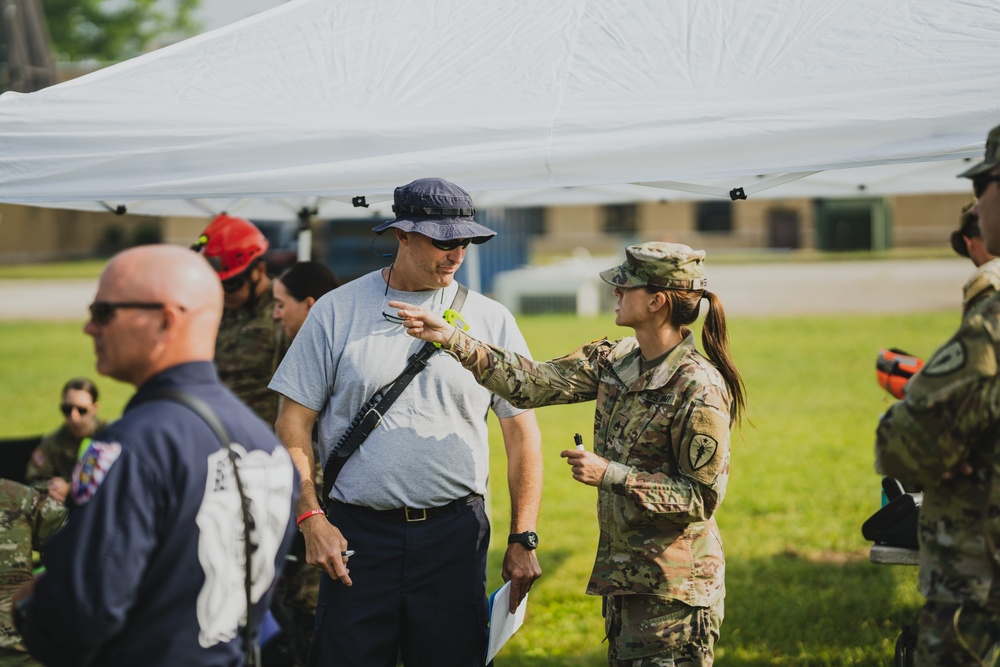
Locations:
416 588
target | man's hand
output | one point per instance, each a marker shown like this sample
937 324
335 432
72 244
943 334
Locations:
588 467
58 488
324 546
423 324
521 569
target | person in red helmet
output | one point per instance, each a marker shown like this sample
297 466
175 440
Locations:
250 345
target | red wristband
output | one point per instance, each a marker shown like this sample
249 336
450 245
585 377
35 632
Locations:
308 513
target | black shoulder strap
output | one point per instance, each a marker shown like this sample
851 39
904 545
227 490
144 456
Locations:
207 414
196 405
370 415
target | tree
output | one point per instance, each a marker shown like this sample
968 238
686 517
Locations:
114 31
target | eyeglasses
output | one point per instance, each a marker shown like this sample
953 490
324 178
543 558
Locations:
390 317
451 245
981 182
230 285
68 408
102 312
385 298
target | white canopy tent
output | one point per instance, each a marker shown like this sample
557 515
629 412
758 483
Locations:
333 99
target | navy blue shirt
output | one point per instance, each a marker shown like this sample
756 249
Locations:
149 570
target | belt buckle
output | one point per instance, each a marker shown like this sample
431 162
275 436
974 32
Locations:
419 514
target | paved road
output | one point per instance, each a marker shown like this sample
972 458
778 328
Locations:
46 299
750 289
841 287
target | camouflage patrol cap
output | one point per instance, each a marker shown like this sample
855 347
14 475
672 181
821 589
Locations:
666 265
991 159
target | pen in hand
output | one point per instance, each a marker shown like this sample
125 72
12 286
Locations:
578 439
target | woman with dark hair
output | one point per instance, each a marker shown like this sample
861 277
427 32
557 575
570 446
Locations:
661 447
296 290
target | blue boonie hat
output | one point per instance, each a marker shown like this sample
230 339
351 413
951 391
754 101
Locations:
438 209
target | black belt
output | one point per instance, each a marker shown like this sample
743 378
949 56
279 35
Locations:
420 514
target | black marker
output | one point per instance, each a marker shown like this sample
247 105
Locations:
578 439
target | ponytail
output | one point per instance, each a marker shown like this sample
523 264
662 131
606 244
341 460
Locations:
683 307
715 339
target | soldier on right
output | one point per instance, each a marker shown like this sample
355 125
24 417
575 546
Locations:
944 437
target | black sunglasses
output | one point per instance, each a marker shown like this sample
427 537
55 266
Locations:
102 312
981 182
452 244
68 408
230 285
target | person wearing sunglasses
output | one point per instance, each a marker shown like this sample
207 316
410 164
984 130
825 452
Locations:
944 438
179 520
409 500
51 464
250 342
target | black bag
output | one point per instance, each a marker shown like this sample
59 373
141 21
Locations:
895 524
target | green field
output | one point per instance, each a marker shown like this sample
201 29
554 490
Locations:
800 588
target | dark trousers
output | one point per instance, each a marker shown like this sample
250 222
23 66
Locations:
419 592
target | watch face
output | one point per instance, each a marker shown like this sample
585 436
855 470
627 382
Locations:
527 538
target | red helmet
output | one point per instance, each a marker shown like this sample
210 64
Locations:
231 245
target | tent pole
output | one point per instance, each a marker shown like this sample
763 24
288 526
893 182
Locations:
305 234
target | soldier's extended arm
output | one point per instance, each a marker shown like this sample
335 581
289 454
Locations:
522 381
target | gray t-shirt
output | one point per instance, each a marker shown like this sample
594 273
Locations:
431 446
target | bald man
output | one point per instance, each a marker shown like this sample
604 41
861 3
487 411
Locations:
150 569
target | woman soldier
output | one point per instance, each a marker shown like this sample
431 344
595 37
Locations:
661 448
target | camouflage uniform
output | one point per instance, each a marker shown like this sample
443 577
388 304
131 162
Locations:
983 283
247 352
951 414
55 456
27 520
660 562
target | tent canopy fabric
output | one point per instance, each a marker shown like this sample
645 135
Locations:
338 98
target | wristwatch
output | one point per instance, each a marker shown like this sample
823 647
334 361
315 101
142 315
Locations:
528 539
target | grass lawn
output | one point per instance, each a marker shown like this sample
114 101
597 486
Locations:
800 588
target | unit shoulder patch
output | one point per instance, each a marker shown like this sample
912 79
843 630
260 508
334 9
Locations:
38 457
92 468
950 358
702 450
